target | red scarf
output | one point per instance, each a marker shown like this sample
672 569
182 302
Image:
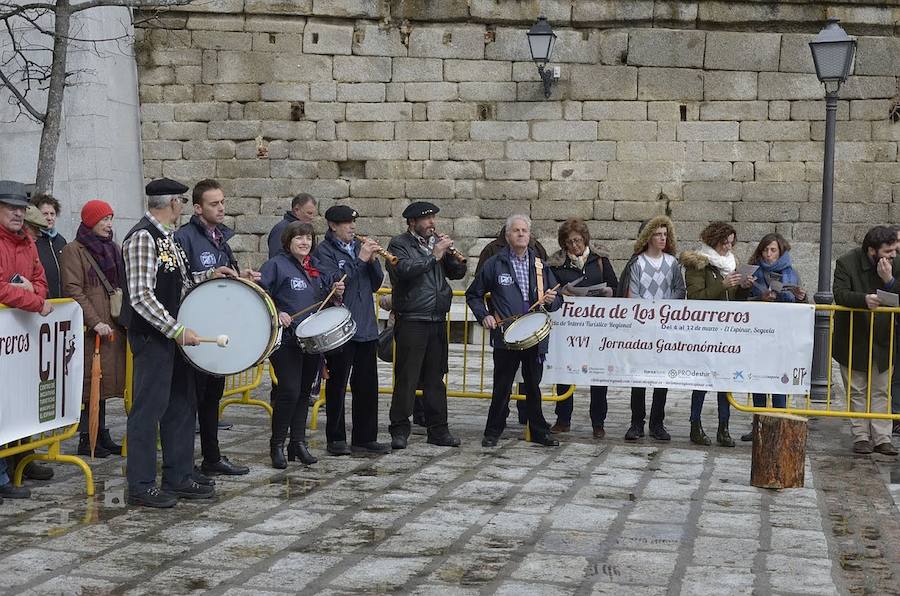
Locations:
311 271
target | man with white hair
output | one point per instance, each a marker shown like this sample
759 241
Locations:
516 279
158 273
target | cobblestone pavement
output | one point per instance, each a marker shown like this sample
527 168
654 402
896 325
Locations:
588 517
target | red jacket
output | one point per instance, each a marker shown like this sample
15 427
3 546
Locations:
18 254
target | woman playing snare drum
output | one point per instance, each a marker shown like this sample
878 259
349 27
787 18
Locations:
294 282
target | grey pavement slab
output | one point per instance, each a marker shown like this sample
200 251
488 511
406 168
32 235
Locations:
587 517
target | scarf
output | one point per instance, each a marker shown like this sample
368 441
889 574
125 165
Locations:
307 265
725 264
783 267
51 232
214 234
104 251
578 261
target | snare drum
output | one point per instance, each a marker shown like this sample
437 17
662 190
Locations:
234 307
527 331
325 330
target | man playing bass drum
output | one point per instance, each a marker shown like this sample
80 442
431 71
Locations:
511 277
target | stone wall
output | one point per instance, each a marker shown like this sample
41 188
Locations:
703 110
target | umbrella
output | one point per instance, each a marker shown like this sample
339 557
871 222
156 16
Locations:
94 404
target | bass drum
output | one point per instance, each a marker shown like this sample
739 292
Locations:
234 307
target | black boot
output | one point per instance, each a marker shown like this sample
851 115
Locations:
300 450
698 437
276 452
105 441
84 447
723 437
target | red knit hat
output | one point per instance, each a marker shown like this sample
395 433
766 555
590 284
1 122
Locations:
93 211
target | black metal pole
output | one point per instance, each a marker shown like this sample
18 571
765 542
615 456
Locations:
821 362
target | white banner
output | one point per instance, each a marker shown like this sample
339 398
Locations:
42 367
690 344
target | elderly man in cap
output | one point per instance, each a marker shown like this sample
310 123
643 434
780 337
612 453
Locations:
158 273
421 301
22 281
341 253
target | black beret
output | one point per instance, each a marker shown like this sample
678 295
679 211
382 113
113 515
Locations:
165 186
13 193
340 214
420 209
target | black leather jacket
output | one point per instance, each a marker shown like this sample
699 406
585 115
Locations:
419 281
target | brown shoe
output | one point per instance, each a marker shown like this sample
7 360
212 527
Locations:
559 427
863 447
886 449
599 433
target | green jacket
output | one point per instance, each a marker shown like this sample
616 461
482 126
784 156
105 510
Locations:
854 277
704 282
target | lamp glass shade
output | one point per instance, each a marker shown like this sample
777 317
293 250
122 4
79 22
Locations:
541 40
833 52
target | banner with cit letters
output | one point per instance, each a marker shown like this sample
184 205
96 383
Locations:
42 370
741 347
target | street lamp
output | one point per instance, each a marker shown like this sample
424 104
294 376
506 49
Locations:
541 39
833 52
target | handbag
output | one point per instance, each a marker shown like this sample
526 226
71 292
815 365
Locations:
115 294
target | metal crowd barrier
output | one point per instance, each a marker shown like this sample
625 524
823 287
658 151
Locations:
835 405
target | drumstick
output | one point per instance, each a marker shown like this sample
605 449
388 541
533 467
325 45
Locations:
513 317
305 310
220 341
331 293
553 289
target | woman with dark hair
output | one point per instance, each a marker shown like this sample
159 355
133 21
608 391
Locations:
773 257
50 243
578 261
710 275
92 269
293 280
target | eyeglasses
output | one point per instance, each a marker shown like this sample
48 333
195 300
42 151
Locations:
574 240
184 199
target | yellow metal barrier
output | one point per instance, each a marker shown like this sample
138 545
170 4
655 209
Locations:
49 439
468 389
833 406
242 384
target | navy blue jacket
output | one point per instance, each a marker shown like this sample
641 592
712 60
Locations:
275 246
200 250
292 290
498 277
362 280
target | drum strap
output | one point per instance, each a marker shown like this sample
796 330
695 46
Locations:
539 274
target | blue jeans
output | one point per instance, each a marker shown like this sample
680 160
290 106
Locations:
697 406
778 400
598 406
4 478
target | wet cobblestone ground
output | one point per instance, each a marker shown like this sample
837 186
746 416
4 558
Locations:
588 517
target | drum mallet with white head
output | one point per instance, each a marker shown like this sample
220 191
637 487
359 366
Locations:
220 341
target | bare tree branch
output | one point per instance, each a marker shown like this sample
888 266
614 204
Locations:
21 99
128 4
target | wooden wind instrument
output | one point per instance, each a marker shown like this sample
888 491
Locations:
390 258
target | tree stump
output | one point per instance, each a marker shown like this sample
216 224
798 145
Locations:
779 451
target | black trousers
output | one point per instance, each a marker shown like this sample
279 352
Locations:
295 372
599 405
164 397
421 352
639 406
506 363
356 361
85 421
209 394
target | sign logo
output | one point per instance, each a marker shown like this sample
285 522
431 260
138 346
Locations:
505 279
207 259
799 376
298 284
341 264
738 375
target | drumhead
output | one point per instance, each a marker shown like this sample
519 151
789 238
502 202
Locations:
524 327
323 321
232 307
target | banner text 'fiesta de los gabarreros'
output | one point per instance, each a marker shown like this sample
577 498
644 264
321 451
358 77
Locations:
691 344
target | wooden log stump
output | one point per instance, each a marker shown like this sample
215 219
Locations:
779 451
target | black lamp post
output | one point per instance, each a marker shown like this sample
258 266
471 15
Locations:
833 52
541 39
